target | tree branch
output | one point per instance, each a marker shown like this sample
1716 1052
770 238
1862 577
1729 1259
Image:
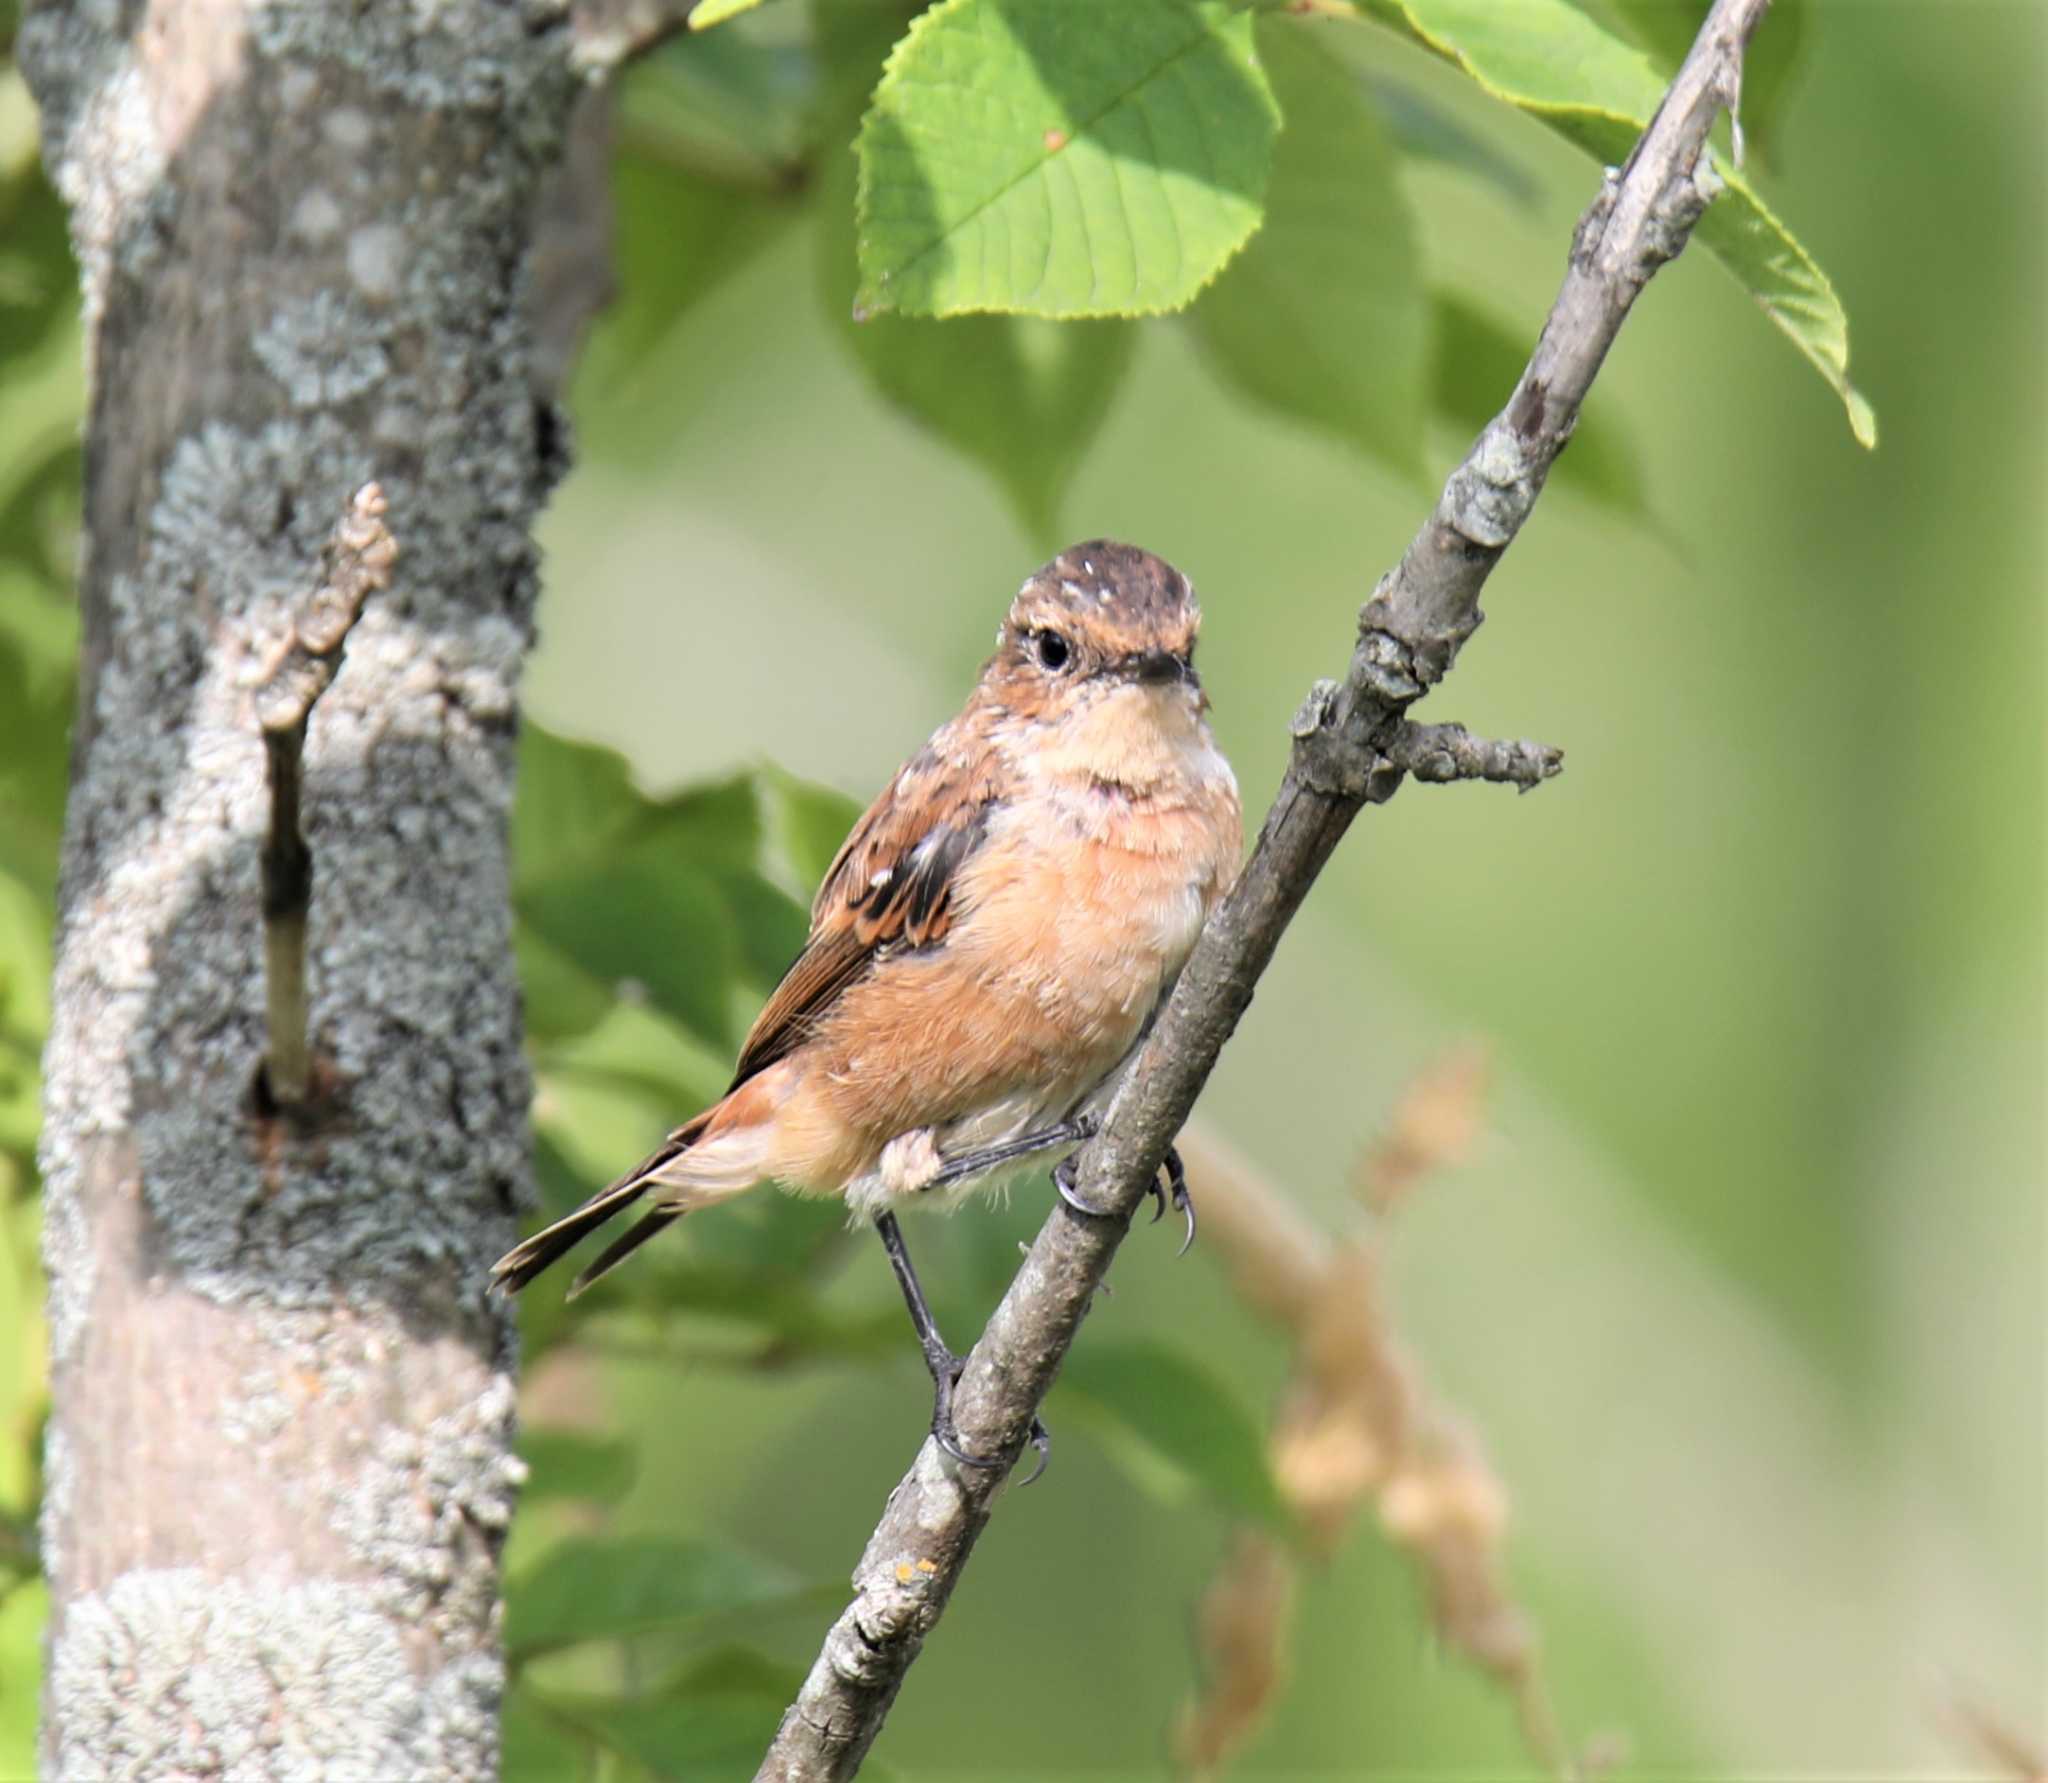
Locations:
1410 633
355 565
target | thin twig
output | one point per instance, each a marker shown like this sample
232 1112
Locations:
1443 752
355 564
1410 633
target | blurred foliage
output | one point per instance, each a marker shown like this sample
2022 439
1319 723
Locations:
666 1577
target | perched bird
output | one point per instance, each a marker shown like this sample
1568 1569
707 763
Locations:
989 945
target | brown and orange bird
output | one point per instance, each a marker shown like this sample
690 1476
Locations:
989 945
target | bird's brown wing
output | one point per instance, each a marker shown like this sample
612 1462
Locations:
889 888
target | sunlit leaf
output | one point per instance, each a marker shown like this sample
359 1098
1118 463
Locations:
1321 318
1061 158
707 13
1021 397
1553 61
592 1588
1183 1415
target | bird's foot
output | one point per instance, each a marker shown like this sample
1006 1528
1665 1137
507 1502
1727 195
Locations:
1171 1184
945 1370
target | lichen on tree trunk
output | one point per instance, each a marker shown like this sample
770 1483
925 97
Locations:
279 1460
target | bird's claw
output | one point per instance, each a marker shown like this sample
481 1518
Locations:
1177 1178
1170 1185
945 1369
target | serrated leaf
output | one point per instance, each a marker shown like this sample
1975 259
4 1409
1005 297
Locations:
1061 158
1021 397
1476 360
1183 1415
1548 58
592 1588
1321 319
575 1464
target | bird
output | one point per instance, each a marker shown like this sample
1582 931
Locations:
987 949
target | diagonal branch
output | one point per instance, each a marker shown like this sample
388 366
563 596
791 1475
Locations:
1410 633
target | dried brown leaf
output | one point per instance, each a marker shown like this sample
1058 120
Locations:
1243 1630
1434 1127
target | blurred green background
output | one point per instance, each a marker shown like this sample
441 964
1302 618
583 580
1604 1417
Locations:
1743 1288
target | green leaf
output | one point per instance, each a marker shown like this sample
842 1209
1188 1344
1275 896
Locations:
1061 158
1549 59
575 1464
22 1619
692 1739
1182 1415
536 1746
1322 317
1476 361
595 1588
1424 130
806 825
35 731
644 919
707 13
574 798
717 821
560 998
1666 28
1021 397
38 281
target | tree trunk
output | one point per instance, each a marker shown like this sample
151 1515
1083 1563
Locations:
279 1461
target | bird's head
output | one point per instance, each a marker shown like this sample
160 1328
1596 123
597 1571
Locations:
1099 619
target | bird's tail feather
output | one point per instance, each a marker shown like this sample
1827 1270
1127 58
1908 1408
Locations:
620 1249
530 1256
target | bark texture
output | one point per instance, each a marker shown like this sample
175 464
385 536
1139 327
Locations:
279 1462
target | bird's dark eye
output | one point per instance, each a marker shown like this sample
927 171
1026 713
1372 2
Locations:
1053 650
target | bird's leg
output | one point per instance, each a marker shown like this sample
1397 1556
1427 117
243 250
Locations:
1070 1132
1176 1182
944 1365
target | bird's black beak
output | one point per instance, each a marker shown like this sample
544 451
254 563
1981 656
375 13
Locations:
1156 668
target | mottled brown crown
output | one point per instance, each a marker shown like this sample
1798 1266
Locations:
1118 599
